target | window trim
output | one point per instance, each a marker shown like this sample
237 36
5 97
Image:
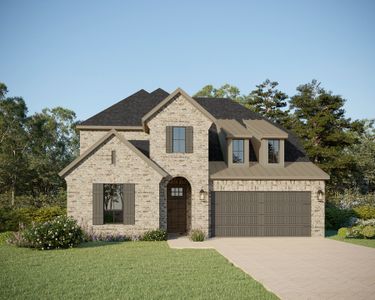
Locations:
173 139
271 142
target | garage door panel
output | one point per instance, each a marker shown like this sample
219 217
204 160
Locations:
261 213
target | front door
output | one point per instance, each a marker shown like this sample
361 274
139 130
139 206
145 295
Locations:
176 209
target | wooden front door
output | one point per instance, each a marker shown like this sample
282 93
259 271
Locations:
176 209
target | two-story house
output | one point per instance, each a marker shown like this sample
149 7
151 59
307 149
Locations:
170 161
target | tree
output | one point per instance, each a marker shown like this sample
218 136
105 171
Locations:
364 157
319 120
13 143
268 101
225 91
53 144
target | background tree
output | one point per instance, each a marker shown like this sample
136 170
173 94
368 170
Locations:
363 153
13 143
319 120
33 149
225 91
268 101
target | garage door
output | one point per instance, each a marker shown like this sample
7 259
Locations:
261 213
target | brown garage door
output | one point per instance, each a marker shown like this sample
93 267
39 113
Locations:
261 213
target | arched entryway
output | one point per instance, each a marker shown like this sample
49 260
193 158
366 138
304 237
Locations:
178 205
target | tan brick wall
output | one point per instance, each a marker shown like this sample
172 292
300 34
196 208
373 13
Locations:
192 166
129 168
317 207
89 137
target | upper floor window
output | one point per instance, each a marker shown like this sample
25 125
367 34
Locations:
113 201
273 151
178 139
238 151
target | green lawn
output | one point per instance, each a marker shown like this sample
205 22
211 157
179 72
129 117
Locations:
130 270
332 234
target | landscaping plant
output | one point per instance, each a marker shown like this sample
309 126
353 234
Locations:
155 235
61 232
197 235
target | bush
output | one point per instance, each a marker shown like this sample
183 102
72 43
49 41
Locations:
61 232
337 217
155 235
4 236
342 233
46 214
103 237
365 212
11 218
197 235
368 232
355 232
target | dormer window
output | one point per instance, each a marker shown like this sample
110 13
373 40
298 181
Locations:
238 151
273 151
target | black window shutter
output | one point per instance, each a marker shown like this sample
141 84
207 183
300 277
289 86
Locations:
97 201
129 203
169 135
189 139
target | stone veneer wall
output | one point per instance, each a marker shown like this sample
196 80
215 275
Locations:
89 137
129 168
317 208
192 166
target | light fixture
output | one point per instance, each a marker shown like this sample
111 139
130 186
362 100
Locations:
201 194
320 196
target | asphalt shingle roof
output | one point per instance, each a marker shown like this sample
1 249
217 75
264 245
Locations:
129 112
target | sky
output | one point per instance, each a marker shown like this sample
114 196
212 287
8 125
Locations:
88 55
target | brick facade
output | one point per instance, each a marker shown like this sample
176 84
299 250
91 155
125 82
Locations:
129 168
191 166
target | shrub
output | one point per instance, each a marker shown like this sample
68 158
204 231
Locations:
103 237
61 232
368 232
46 214
155 235
365 212
337 217
4 236
355 232
197 235
11 218
343 231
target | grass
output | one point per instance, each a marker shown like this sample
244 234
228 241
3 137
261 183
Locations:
332 234
129 270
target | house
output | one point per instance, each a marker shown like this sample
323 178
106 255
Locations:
176 162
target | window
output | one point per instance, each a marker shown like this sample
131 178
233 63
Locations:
178 139
177 191
273 151
238 151
113 157
113 203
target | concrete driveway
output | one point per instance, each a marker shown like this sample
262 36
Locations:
300 268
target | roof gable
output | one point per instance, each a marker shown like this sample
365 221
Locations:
168 100
99 143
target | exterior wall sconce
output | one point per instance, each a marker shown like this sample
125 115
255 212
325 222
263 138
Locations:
320 196
202 194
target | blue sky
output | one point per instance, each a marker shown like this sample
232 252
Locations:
87 55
